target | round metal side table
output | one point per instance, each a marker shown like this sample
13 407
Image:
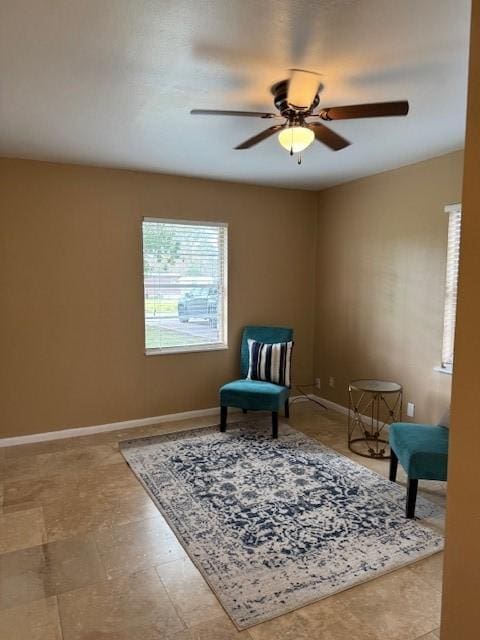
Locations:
372 405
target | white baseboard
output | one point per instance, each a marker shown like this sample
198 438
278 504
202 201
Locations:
112 426
336 407
75 432
329 404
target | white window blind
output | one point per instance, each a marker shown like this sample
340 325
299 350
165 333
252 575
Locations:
451 283
185 285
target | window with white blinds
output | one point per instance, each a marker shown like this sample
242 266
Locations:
185 285
451 282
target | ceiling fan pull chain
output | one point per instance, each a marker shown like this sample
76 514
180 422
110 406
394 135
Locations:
291 144
299 161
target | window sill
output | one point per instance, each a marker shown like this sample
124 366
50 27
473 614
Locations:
191 349
447 370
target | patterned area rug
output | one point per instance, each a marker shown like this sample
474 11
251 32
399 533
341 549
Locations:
275 524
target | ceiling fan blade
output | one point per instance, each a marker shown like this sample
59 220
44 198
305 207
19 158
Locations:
327 136
220 112
266 133
373 110
302 88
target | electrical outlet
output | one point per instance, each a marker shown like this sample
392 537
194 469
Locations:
331 382
317 383
410 410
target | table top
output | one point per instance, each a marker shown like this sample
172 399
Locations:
376 386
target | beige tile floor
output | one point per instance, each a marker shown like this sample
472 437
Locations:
85 555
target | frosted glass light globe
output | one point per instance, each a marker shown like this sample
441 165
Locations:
296 139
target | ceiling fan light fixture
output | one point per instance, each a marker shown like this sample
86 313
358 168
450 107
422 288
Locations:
296 138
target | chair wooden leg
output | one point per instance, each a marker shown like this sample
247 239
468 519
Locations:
393 466
411 497
275 424
223 418
287 409
244 411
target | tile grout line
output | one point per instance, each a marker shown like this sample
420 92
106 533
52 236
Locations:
59 615
184 624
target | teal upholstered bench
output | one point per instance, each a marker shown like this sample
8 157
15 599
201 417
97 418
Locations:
422 450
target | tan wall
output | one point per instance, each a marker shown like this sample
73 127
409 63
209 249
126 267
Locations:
461 592
71 322
380 281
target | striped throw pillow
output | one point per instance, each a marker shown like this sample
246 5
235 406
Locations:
270 362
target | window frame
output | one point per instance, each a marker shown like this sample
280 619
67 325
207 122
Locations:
449 318
223 320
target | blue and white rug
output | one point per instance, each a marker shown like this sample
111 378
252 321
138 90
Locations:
276 524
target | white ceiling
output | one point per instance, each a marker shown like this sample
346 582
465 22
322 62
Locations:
111 82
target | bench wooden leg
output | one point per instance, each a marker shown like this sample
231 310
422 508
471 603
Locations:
393 466
275 424
411 497
223 418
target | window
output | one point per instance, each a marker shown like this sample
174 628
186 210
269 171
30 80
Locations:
451 281
185 285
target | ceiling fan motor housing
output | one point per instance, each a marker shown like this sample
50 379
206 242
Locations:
280 91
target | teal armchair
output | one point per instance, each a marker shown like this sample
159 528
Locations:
256 395
422 450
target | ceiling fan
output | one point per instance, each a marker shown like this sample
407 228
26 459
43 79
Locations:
296 100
